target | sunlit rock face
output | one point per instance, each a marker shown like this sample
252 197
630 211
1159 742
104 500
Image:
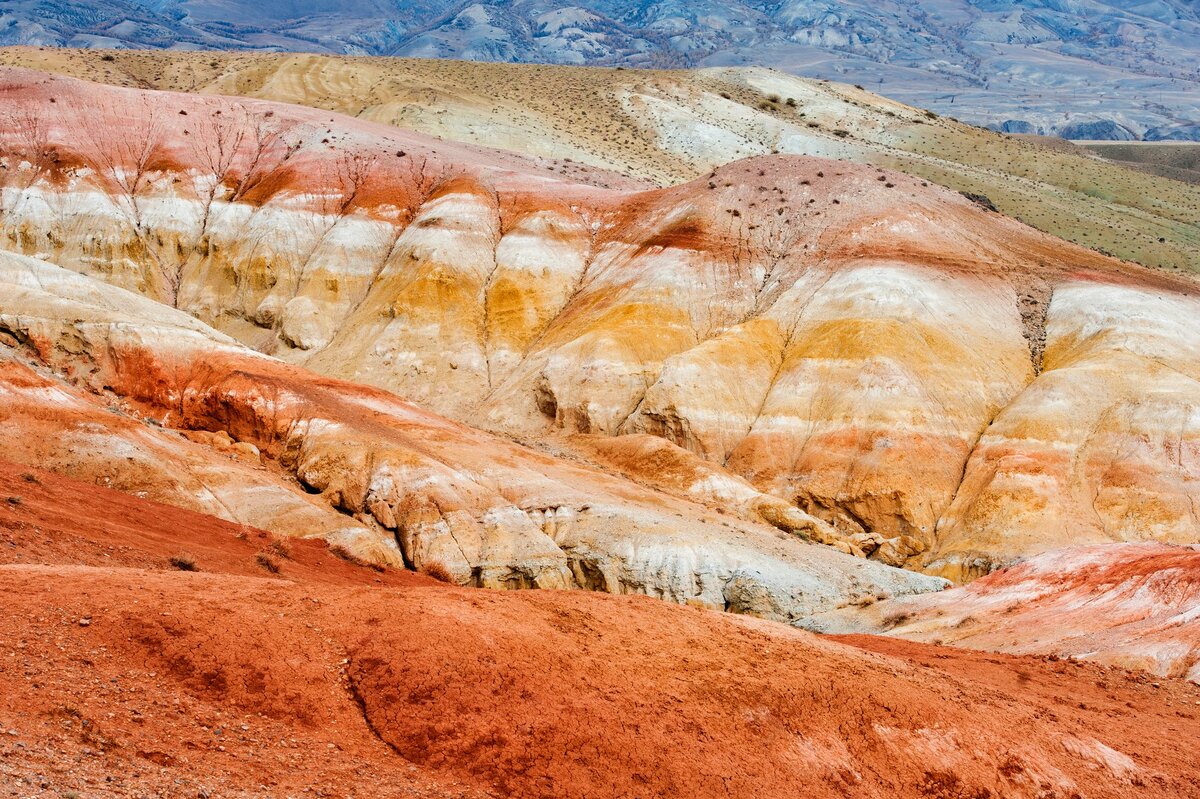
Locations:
1103 446
861 401
915 379
107 386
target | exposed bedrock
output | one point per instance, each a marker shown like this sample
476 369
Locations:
128 393
940 386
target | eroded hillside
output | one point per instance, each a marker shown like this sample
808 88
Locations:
103 385
845 352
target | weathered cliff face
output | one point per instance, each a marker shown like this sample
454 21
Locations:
1104 446
96 381
940 386
1136 606
66 344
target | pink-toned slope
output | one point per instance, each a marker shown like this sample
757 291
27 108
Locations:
1129 605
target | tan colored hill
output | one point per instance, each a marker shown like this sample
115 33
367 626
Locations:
671 126
841 351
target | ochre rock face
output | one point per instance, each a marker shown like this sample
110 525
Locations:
97 373
940 386
1129 605
1104 446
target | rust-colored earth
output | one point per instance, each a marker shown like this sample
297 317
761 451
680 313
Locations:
122 675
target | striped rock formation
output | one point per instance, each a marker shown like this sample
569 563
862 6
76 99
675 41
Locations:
105 385
941 387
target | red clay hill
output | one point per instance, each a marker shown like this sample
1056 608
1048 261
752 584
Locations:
123 675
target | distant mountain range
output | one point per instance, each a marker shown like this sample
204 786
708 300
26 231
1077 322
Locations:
1081 69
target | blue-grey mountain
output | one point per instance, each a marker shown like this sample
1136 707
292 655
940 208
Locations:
1103 69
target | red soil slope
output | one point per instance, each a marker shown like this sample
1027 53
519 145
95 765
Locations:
123 679
52 520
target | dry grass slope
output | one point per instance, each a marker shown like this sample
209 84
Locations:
1175 160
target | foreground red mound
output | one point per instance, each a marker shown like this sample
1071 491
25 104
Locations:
123 681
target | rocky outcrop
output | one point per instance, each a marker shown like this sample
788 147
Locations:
372 473
874 352
1097 130
656 462
1182 133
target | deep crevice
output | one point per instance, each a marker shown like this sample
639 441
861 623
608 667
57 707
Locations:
1033 302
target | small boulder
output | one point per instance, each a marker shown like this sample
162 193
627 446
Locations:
867 542
245 451
304 324
896 551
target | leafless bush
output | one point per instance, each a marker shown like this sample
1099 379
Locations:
437 570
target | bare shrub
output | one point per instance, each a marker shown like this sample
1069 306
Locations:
437 570
346 555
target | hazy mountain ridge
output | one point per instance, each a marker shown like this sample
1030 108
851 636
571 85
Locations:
1084 68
